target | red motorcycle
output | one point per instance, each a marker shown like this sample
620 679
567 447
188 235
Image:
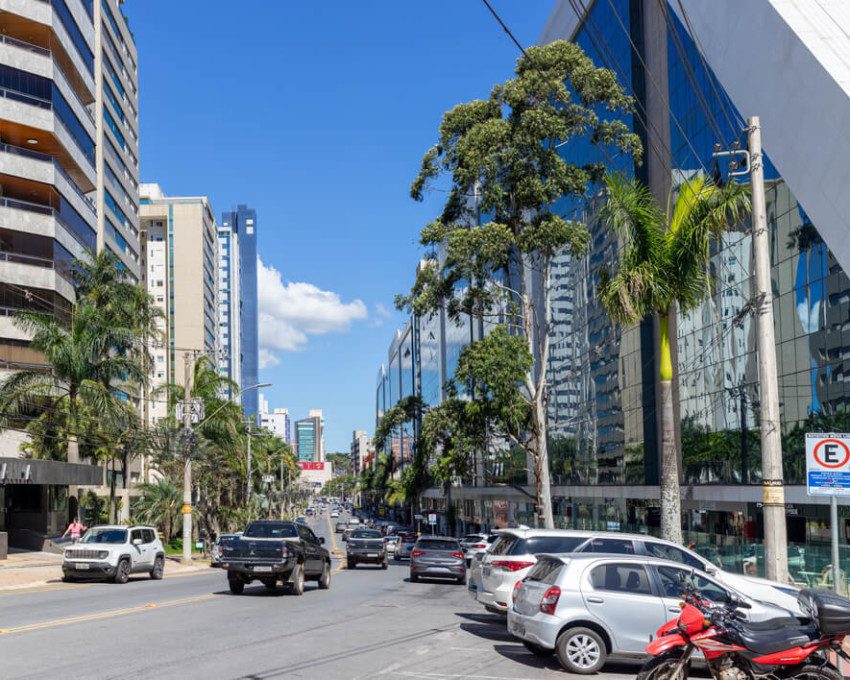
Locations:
737 649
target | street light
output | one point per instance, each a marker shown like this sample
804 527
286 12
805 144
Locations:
248 431
187 467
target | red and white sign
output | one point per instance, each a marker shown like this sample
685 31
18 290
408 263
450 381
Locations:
309 465
828 464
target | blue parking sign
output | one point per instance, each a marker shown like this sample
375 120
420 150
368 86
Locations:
828 464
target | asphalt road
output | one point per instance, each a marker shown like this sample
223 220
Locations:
371 623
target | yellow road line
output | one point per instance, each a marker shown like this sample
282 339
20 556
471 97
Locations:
98 616
335 546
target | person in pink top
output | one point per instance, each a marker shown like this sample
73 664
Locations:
75 528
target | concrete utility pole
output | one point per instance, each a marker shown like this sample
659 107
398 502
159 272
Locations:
773 489
248 431
188 365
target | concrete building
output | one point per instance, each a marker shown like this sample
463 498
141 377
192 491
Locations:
180 254
229 308
276 420
309 435
361 450
117 140
243 223
50 57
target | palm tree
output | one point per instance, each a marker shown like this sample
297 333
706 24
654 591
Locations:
82 369
664 265
159 504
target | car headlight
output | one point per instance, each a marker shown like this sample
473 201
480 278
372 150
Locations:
103 554
68 554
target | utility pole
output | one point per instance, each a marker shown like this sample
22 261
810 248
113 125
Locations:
188 365
773 489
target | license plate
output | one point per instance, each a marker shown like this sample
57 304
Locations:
517 628
371 554
263 570
82 566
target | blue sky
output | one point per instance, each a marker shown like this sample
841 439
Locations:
317 114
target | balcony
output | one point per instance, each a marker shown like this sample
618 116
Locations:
43 220
40 167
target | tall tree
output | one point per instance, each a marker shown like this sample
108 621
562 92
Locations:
663 265
502 157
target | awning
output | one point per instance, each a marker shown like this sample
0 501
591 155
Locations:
27 471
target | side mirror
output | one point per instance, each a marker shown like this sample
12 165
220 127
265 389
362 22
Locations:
710 569
322 540
137 541
344 538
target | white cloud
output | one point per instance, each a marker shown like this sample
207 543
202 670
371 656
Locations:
267 359
291 312
382 314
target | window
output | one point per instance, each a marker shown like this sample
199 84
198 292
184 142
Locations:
673 553
148 535
674 581
552 544
616 546
545 571
136 534
621 578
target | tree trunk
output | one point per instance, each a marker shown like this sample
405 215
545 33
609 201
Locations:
542 486
112 510
671 503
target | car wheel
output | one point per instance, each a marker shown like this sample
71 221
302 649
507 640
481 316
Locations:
237 585
296 585
384 564
68 579
325 578
351 564
271 584
581 650
461 580
158 568
537 649
122 571
414 578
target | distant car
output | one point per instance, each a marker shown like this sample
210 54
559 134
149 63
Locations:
340 527
437 557
390 543
309 511
365 546
404 545
301 519
115 552
473 544
215 551
353 521
334 513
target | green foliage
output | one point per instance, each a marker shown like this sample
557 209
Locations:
159 504
341 462
343 486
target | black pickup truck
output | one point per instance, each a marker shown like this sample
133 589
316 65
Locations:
272 551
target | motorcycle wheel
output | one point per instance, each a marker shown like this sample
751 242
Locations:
811 671
663 667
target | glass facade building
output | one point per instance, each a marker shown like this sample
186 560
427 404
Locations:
243 223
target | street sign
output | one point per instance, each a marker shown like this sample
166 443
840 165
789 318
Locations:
268 479
432 519
197 414
827 464
417 517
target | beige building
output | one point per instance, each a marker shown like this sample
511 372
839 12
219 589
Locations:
179 246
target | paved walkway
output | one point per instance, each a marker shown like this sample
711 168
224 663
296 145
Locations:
34 569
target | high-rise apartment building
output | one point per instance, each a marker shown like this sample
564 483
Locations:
276 420
179 247
361 450
117 135
243 223
309 434
229 308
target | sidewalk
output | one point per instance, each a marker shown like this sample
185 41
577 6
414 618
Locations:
34 569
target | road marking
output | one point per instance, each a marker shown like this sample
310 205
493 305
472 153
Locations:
335 546
98 616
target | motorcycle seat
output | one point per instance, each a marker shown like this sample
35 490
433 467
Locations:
777 623
771 641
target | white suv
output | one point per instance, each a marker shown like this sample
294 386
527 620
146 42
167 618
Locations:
115 552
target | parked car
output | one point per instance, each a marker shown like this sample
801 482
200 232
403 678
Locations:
340 527
476 543
334 513
584 607
512 556
365 546
404 545
390 543
115 552
275 550
215 551
437 557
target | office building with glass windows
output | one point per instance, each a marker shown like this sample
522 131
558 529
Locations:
242 223
682 63
229 309
308 439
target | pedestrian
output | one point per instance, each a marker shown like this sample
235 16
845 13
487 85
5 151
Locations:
75 528
692 546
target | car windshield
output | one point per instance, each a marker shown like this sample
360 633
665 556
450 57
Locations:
105 536
437 545
264 530
365 533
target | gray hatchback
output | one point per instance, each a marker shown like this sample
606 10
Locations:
439 557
